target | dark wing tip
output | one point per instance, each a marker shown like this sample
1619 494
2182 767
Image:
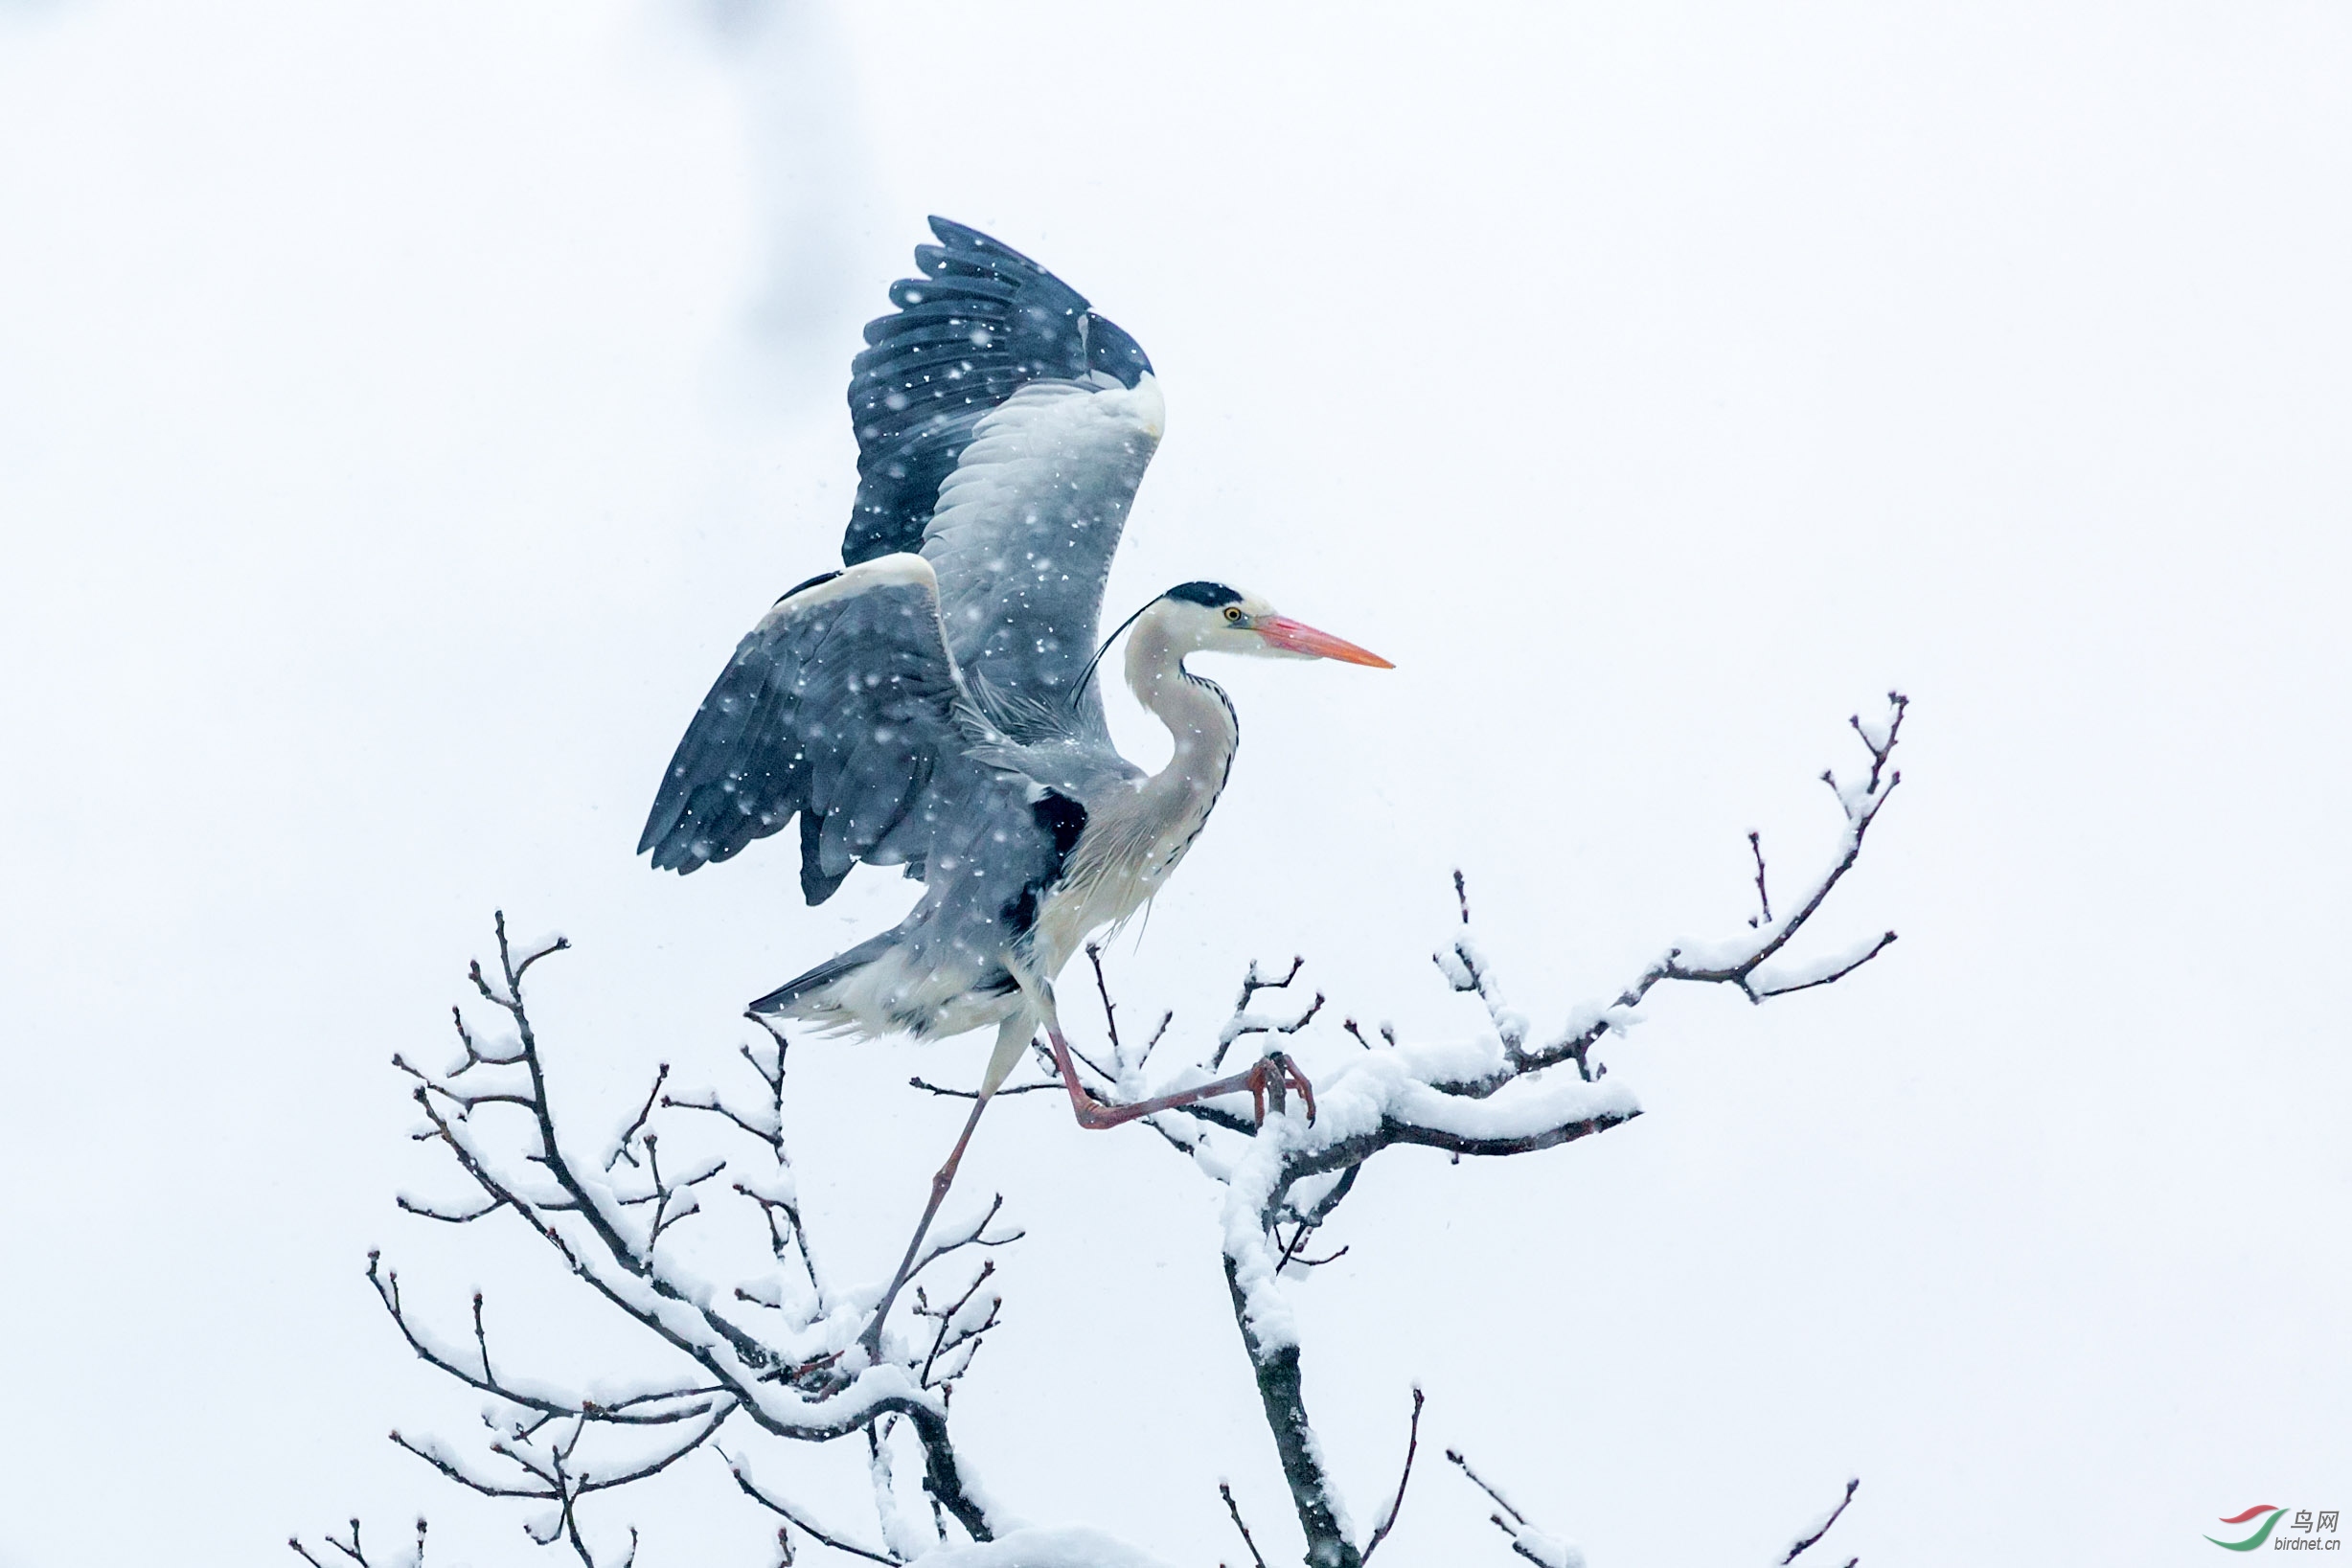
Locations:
1112 352
672 838
1108 347
956 237
983 321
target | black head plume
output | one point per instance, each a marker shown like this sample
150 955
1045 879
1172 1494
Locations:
1208 595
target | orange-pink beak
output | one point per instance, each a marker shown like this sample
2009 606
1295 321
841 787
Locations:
1290 636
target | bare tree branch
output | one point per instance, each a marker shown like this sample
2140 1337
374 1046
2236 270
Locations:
629 1134
1497 1103
1412 1446
1276 1366
1763 898
352 1551
1803 1542
793 1395
973 1094
1526 1539
800 1521
804 1374
1224 1490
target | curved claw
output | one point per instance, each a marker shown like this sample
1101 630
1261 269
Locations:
1270 1065
1298 1082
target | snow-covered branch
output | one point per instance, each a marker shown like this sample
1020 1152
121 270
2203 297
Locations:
354 1551
795 1370
784 1352
1491 1095
1526 1540
1743 961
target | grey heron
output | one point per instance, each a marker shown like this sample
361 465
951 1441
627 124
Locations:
933 704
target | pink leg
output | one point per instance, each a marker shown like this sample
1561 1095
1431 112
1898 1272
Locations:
1093 1113
872 1338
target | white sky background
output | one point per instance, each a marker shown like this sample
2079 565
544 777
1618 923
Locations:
404 408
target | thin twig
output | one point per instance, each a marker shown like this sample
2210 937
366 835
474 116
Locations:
715 1106
1292 1251
1253 982
943 1090
352 1550
1478 1481
734 1468
1165 1019
1755 842
401 1201
1412 1446
946 1320
775 1079
1850 1488
628 1135
481 1340
1760 993
1102 986
973 1237
1242 1022
1225 1492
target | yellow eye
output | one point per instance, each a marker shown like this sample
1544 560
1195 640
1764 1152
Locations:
1233 614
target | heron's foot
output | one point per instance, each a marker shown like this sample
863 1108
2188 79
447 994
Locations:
1090 1113
1274 1073
1271 1076
1094 1115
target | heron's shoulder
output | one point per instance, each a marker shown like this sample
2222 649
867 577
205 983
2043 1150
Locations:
904 575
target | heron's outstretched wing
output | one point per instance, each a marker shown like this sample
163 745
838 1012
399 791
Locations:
1002 429
981 323
841 706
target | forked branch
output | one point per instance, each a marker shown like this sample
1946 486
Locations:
794 1376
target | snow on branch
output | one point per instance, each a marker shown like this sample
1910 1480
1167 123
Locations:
353 1552
1526 1540
780 1352
1548 1552
1491 1096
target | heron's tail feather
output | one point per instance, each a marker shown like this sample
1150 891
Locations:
836 968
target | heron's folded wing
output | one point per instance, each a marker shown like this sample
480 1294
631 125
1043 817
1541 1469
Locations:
840 707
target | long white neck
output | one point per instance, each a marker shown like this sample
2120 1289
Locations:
1134 841
1200 719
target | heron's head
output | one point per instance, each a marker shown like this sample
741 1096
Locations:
1211 618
